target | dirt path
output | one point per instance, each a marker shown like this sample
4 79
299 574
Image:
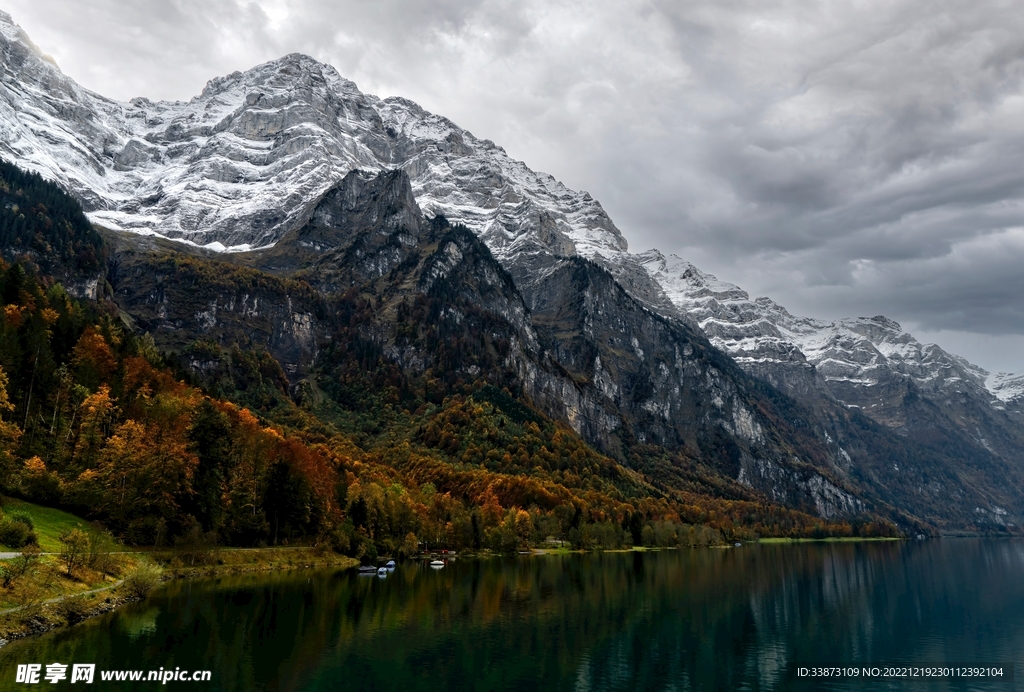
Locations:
70 595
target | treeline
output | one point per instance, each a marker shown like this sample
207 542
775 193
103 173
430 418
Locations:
39 220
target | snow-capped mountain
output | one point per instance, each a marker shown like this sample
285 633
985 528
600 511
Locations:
242 163
230 168
861 350
1007 388
865 362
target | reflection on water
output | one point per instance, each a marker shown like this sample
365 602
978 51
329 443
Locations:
713 619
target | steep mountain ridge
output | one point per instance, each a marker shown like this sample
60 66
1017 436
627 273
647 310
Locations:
445 308
436 305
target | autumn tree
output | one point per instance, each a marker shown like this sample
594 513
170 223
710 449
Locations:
93 359
10 433
73 546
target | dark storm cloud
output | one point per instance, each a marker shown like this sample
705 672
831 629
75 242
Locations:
844 158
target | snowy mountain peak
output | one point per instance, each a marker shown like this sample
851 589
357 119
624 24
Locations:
13 33
241 163
852 356
1007 387
684 282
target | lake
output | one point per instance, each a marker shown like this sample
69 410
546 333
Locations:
742 618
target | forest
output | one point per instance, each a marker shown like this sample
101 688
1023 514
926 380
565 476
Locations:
363 457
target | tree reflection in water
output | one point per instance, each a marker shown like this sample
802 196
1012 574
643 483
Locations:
700 619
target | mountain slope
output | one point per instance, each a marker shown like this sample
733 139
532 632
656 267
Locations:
364 453
429 303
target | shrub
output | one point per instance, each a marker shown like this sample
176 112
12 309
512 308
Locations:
12 570
23 517
25 563
194 546
72 610
15 533
141 580
7 576
101 545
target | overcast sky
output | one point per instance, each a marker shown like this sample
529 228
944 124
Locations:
844 158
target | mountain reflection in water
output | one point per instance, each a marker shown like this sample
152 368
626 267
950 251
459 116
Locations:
711 619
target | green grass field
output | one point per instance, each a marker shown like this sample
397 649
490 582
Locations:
49 523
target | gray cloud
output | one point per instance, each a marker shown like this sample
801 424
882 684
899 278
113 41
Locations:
844 158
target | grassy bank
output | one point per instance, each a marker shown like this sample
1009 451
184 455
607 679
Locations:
38 592
47 598
42 595
242 560
49 523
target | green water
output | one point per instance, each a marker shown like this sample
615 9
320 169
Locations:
710 619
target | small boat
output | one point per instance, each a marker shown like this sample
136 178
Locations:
382 571
367 569
437 564
391 564
738 545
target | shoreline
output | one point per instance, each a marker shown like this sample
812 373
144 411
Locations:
254 560
44 617
835 539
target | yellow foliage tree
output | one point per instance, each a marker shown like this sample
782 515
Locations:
10 433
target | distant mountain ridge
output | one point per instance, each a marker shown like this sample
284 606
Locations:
249 161
868 363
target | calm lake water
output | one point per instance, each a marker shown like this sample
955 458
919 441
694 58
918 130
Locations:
709 619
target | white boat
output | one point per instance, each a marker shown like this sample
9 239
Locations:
382 571
391 564
437 564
